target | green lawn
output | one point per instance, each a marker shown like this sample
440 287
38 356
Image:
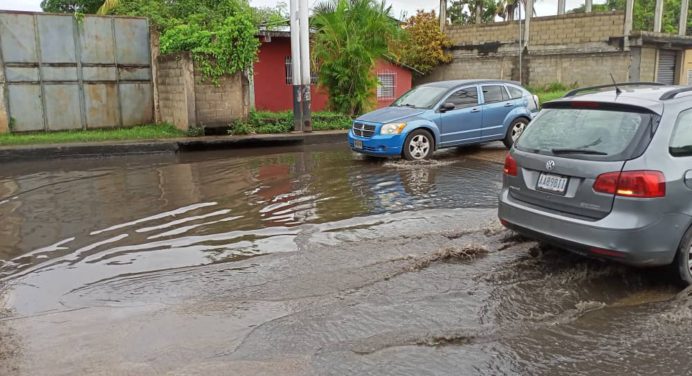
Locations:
545 96
142 132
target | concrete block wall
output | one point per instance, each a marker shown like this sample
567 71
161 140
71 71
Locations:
176 97
186 99
219 105
564 29
574 48
579 69
647 66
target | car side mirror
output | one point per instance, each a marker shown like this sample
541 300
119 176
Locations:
447 107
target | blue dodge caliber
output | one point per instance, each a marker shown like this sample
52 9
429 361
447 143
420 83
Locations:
445 114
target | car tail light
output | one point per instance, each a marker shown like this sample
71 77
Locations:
641 184
510 165
581 104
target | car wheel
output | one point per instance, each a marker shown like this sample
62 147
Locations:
418 145
515 130
682 265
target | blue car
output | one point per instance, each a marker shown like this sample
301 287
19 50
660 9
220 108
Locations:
445 114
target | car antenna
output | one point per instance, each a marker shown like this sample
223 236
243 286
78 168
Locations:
617 89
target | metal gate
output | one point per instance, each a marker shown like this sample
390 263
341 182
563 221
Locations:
667 60
63 72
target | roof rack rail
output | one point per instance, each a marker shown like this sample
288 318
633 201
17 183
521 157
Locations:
672 93
579 90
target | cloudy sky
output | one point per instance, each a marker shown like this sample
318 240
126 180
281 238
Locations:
543 7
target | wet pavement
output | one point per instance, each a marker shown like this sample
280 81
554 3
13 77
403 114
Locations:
307 261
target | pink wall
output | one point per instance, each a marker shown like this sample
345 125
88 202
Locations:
272 93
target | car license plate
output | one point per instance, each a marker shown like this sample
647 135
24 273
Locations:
357 144
552 183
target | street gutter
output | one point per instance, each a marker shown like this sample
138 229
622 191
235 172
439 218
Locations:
17 153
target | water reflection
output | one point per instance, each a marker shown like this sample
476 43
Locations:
64 228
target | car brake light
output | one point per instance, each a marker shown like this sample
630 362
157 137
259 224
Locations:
641 184
579 104
510 165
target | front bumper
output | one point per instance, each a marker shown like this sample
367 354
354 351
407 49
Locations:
378 145
617 237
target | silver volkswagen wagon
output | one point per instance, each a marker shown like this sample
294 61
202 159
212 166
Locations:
607 172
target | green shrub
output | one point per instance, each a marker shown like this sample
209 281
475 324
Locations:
263 122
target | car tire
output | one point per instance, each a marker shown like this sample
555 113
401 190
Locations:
681 265
514 131
419 145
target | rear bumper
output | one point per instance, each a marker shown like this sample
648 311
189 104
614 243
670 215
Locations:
615 237
378 145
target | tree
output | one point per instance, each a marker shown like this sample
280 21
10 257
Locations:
424 45
472 11
351 36
644 14
71 6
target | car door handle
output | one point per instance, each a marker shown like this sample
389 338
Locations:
475 110
508 104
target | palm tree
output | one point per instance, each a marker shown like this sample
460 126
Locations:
351 36
107 6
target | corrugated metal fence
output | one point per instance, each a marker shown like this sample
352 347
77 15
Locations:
63 72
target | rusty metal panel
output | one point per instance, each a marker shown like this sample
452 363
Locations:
99 74
57 39
136 103
62 107
132 41
96 40
22 74
18 38
59 73
25 107
134 74
101 105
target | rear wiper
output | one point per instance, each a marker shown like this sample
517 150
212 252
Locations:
577 151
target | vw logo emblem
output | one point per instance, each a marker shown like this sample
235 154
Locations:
550 165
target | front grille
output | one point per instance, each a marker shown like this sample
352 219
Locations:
363 130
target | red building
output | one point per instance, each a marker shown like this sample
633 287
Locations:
273 81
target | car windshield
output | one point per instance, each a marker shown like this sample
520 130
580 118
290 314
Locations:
421 97
582 132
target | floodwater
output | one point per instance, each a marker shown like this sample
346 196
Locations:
307 261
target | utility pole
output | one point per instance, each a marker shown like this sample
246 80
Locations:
305 75
561 5
629 14
682 28
658 16
443 15
295 67
589 6
521 45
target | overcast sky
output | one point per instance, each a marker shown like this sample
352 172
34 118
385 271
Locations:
543 7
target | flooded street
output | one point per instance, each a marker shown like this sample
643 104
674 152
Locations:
308 261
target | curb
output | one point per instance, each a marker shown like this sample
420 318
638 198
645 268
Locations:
171 146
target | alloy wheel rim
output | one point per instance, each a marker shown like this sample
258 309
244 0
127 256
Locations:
517 130
419 146
689 260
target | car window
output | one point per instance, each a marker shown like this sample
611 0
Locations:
515 92
494 94
467 97
421 97
681 141
607 132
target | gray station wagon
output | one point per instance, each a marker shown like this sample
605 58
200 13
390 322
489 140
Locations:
607 172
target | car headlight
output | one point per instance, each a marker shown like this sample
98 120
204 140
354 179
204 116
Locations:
392 128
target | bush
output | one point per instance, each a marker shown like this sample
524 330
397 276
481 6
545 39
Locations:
263 122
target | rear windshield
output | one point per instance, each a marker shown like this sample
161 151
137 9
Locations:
584 133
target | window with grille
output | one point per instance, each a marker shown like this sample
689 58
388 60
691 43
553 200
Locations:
386 82
288 67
